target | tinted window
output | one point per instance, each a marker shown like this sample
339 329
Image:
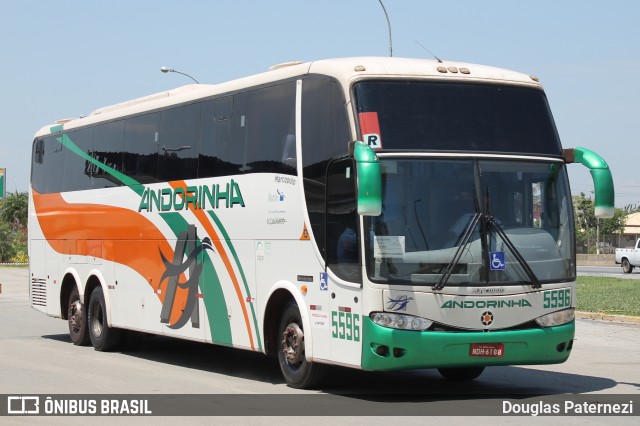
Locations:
222 150
179 138
270 123
38 166
140 160
108 144
325 135
223 108
343 255
77 169
459 117
53 162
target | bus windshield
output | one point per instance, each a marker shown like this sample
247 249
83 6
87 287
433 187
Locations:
469 117
489 221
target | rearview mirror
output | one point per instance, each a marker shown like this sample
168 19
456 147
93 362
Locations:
602 179
369 180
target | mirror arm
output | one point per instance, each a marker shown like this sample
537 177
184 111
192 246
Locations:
602 179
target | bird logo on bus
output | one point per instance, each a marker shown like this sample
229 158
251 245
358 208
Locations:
399 303
186 244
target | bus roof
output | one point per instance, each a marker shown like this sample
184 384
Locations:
345 70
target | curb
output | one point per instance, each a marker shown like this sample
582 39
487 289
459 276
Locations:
606 317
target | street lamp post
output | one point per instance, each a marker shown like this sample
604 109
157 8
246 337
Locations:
597 236
166 70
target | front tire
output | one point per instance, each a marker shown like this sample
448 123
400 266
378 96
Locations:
297 371
627 268
103 337
77 319
461 374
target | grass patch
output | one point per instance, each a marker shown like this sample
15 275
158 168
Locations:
613 296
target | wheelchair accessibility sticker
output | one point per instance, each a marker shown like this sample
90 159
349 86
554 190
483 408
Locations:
496 261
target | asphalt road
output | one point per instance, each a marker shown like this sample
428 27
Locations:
37 357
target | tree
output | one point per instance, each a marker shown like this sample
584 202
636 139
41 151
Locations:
589 228
14 209
614 225
585 213
13 227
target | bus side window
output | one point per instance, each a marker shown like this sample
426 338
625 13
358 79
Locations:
179 140
325 133
222 144
38 151
140 161
270 125
108 145
38 169
342 249
54 154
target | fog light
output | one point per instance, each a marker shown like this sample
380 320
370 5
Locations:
381 350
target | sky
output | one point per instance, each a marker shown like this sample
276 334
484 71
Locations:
66 58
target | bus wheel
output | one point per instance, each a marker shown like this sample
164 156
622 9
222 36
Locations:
297 371
461 374
77 319
626 266
103 337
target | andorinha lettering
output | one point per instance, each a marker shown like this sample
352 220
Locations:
481 304
195 197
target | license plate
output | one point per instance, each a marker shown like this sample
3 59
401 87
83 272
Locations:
492 350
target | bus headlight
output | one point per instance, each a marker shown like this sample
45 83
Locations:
400 322
557 318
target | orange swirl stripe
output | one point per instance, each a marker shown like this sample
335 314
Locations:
69 227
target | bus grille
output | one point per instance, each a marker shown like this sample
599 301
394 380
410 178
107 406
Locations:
443 327
39 292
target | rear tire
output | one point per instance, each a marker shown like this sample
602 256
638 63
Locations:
461 374
77 319
627 268
297 371
103 337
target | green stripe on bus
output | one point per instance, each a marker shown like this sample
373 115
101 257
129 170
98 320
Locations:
224 233
211 288
57 128
71 146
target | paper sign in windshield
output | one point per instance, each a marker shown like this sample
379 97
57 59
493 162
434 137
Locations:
388 246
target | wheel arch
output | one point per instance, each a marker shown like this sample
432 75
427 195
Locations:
72 279
281 294
69 281
94 280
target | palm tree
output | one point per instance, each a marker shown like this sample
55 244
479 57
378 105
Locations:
14 209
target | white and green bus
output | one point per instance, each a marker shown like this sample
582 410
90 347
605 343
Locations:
375 213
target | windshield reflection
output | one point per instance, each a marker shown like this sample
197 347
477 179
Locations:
477 222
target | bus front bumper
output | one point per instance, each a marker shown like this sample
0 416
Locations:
389 349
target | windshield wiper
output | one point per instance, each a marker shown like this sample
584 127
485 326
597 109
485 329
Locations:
535 282
464 240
